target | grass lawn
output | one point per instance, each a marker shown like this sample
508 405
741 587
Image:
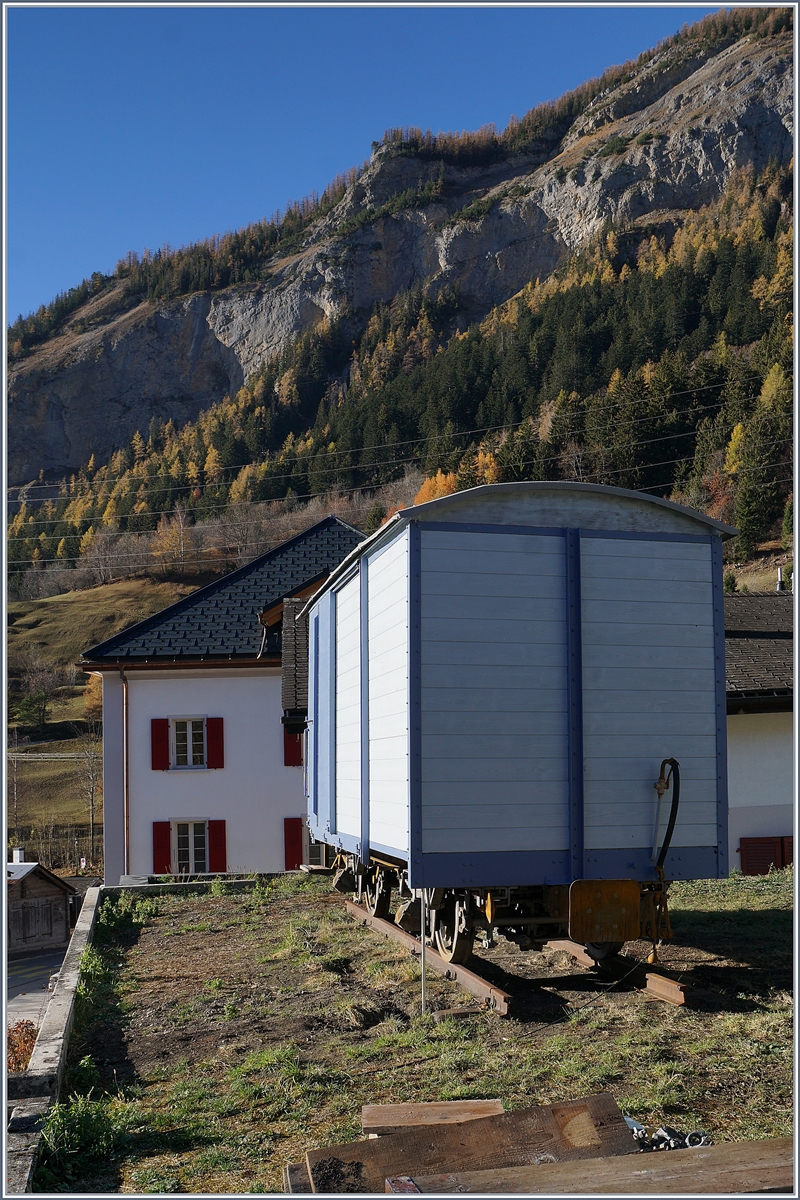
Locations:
219 1036
63 626
49 792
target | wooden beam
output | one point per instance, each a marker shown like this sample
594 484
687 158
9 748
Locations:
729 1168
392 1118
272 615
582 1128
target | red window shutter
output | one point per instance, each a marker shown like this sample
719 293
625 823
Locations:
788 851
759 854
293 842
217 851
162 864
159 743
215 743
292 749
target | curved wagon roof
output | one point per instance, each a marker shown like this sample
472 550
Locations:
547 504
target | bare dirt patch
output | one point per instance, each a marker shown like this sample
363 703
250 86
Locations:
233 1033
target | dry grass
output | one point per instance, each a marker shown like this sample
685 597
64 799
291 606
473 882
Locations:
243 1030
63 626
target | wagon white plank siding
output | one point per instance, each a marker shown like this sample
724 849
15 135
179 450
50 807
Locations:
388 698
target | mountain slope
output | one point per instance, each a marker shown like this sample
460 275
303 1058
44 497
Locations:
663 140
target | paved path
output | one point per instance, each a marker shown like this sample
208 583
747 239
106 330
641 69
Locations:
28 977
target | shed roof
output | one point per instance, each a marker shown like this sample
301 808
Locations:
586 501
759 650
220 621
17 871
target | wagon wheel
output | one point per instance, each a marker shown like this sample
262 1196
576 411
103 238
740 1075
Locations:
377 893
601 950
454 938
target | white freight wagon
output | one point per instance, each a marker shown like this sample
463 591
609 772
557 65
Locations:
496 679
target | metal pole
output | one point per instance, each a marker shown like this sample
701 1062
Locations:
422 953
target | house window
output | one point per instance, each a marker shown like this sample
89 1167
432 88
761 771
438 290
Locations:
191 857
189 847
189 743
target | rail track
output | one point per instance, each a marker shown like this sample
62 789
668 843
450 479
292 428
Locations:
616 967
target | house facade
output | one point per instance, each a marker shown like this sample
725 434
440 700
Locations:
199 773
761 755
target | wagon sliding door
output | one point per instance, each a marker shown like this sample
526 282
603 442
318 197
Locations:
652 682
493 747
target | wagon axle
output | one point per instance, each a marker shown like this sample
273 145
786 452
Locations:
600 914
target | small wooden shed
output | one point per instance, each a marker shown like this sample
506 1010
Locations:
38 907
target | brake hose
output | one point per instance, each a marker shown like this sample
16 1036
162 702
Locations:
661 786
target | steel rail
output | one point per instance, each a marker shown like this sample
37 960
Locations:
497 999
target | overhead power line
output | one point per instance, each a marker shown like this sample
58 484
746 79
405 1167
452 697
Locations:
391 462
590 477
104 482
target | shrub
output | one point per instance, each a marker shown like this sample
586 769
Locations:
616 144
83 1130
21 1040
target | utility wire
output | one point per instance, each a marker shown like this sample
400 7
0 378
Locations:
421 441
32 522
81 495
194 553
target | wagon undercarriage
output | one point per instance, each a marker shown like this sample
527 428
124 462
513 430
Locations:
600 914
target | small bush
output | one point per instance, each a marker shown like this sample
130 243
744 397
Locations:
21 1040
83 1076
644 138
84 1130
616 144
729 585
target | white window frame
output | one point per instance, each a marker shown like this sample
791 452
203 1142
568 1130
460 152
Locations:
173 845
173 745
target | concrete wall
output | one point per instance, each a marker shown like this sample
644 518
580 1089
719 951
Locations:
252 793
760 778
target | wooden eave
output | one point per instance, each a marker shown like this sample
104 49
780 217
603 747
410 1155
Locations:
272 615
176 664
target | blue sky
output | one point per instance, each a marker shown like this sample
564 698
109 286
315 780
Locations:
136 127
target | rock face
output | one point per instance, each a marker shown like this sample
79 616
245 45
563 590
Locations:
113 368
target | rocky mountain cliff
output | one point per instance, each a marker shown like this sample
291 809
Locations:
646 152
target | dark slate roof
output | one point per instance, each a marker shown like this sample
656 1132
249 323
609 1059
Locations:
758 645
220 620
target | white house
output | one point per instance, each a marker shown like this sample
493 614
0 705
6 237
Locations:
199 773
761 760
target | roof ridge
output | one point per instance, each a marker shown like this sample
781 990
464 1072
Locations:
152 623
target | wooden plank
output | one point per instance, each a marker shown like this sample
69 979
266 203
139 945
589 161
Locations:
392 1118
582 1128
296 1180
729 1168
